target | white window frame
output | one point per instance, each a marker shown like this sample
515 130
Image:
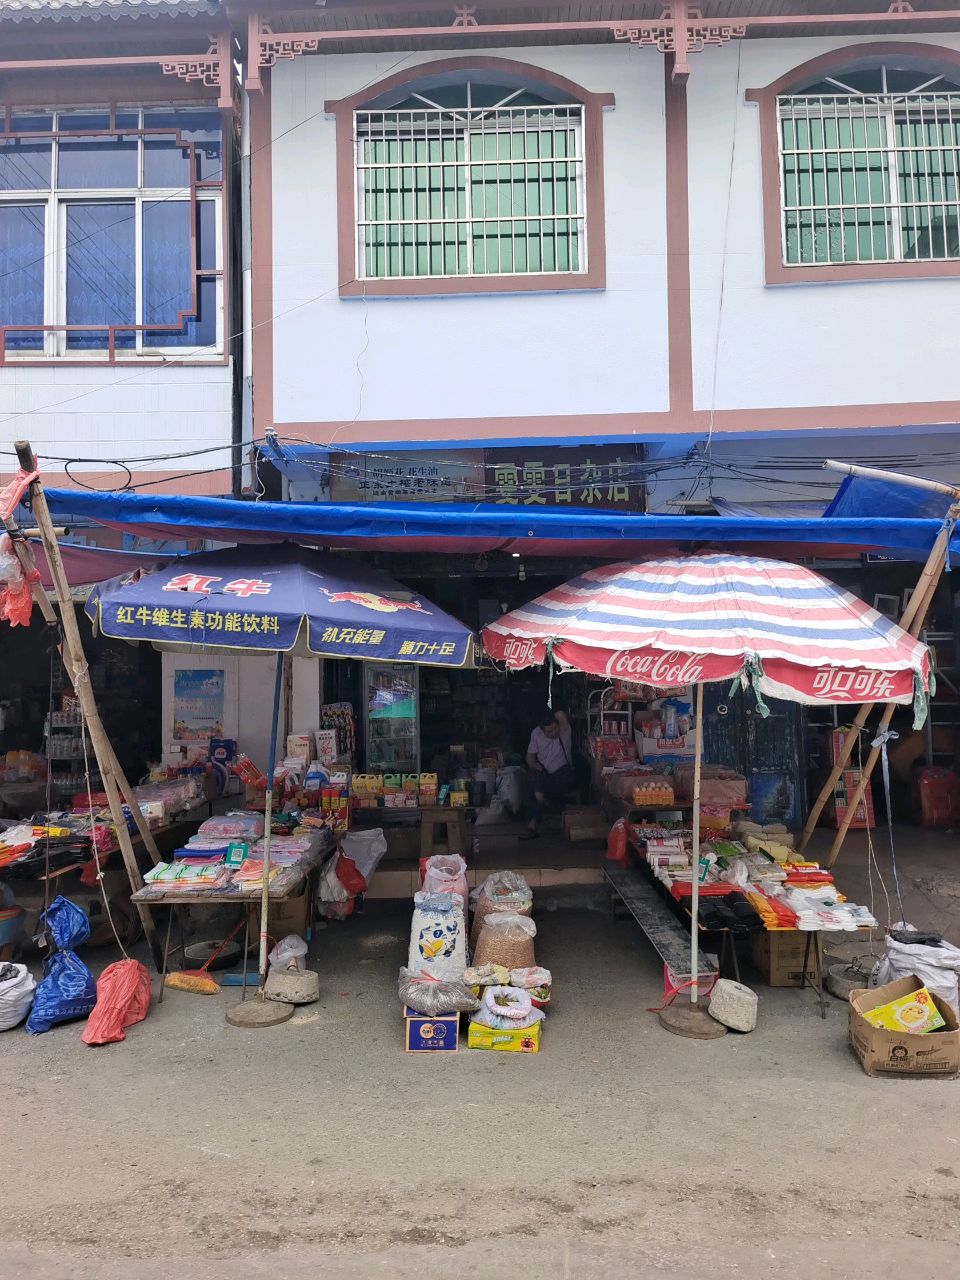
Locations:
465 117
889 107
56 201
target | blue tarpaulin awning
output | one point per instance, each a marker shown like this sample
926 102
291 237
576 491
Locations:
472 528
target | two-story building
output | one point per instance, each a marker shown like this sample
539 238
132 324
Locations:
729 235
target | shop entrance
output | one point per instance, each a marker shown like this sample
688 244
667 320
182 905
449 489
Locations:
767 750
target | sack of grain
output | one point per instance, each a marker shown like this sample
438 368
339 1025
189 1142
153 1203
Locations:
502 891
438 936
507 939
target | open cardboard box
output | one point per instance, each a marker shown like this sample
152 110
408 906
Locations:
900 1053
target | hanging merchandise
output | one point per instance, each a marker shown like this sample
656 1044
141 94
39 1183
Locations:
507 938
502 891
438 936
16 588
433 997
16 994
446 873
67 989
123 998
350 872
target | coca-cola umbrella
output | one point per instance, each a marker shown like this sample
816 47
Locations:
781 629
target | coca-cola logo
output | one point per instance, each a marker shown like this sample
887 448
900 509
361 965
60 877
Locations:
854 686
520 653
658 669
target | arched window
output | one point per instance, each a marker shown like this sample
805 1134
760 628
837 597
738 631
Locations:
469 178
867 165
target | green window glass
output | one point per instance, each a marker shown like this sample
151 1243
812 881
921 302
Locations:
870 166
470 180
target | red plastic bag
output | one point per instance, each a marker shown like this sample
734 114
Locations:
349 876
123 998
617 845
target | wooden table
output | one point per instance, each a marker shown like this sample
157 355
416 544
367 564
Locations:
152 896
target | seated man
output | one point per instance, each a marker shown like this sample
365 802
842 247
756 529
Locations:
550 761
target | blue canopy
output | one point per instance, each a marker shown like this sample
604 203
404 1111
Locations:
275 599
860 496
483 527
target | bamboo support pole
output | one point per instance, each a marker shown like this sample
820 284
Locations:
76 663
912 622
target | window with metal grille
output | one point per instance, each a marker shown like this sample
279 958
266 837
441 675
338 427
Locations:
470 180
869 169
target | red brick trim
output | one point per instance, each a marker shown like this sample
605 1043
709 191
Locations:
850 56
595 277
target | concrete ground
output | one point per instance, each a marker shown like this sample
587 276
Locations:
320 1149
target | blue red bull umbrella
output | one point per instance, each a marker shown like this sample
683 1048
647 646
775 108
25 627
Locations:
279 599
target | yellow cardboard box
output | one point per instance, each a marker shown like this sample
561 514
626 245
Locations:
526 1040
915 1012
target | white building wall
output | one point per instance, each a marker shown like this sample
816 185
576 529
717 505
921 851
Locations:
884 342
123 411
481 356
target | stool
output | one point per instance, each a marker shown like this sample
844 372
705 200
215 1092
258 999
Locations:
454 837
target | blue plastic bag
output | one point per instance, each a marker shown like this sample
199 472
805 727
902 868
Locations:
68 989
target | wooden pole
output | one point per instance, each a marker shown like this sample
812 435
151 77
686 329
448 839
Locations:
912 622
76 664
854 801
24 553
695 890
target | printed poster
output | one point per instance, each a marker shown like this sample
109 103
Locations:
198 704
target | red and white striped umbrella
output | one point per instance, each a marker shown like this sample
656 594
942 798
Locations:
692 619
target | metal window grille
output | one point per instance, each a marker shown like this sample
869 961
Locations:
470 191
870 177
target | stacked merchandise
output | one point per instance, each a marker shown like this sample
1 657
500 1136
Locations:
514 990
751 885
226 855
505 992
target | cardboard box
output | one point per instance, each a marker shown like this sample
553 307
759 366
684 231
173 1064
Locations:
778 954
423 1034
300 745
286 916
327 746
902 1053
665 748
526 1040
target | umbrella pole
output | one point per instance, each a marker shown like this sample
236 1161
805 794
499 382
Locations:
695 895
268 823
693 1020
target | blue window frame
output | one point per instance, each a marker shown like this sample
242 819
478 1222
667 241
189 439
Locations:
112 223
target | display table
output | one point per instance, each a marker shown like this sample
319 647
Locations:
286 885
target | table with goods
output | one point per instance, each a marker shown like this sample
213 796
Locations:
752 883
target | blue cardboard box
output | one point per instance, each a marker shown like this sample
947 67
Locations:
423 1034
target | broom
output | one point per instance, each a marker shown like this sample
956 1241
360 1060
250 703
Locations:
196 980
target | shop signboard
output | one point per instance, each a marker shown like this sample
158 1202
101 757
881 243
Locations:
600 476
447 475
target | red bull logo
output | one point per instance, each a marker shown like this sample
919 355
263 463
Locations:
370 600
